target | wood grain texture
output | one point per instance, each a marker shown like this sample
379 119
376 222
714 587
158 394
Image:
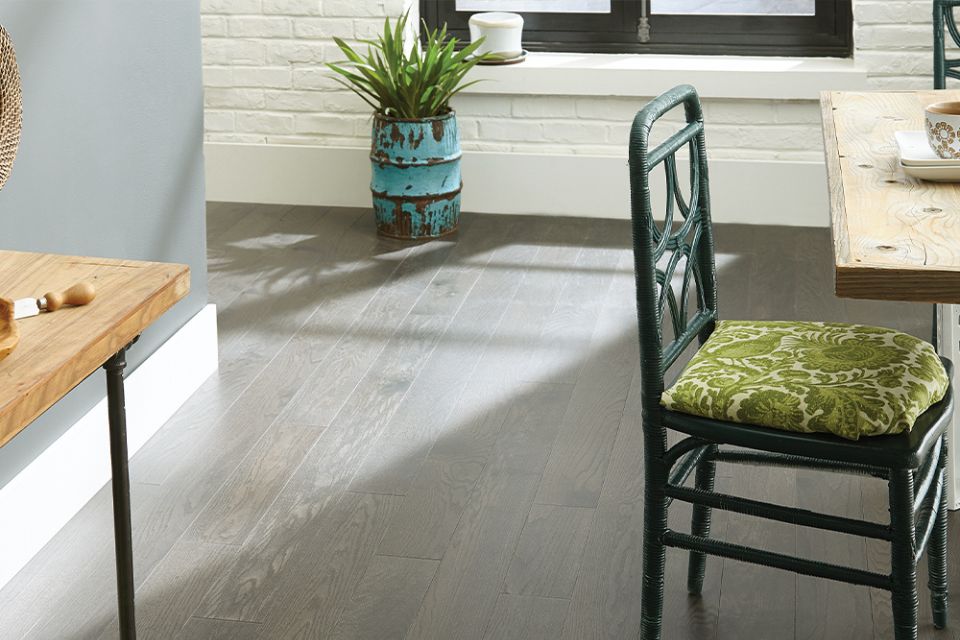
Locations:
208 629
386 600
605 598
57 351
548 553
337 564
579 458
526 618
242 500
895 237
171 592
830 610
251 587
439 493
750 588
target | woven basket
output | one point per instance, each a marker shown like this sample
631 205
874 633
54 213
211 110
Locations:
11 107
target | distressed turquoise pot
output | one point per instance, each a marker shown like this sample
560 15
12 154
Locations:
416 176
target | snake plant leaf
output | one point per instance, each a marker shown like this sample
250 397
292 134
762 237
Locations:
407 80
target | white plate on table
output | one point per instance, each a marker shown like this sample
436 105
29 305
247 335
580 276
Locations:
917 159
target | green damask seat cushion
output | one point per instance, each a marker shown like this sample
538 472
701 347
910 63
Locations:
848 380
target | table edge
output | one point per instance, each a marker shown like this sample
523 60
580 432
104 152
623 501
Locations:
838 211
107 343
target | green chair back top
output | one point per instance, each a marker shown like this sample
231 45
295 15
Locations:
677 247
943 18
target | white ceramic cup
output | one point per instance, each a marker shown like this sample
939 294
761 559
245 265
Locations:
502 33
943 129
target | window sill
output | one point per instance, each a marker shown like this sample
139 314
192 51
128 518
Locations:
733 77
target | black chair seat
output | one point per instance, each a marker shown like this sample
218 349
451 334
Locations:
906 450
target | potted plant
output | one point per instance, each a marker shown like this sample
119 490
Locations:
415 147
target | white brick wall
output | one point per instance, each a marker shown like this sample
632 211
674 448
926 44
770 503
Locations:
265 84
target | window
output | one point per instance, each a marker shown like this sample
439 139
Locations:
731 27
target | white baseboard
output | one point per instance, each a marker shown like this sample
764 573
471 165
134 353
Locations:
742 191
70 471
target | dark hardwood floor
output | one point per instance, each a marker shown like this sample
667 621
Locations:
442 441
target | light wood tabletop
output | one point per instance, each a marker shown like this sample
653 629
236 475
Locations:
58 350
895 237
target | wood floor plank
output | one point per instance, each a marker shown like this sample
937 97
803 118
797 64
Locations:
462 597
750 589
315 487
874 503
245 350
336 566
290 339
235 221
243 499
172 590
606 597
247 590
826 609
471 573
459 450
685 616
322 395
517 353
526 618
386 600
512 433
241 259
207 629
578 461
569 328
548 554
444 483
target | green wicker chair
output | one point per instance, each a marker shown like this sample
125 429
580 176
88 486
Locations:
943 17
912 462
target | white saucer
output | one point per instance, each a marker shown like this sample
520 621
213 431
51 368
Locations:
501 61
917 159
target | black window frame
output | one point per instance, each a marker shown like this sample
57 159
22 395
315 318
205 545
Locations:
828 33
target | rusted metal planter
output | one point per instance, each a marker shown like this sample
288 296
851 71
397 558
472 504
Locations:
416 176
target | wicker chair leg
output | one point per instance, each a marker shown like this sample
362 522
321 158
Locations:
700 526
902 564
654 552
937 556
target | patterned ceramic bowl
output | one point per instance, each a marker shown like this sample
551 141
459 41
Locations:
943 129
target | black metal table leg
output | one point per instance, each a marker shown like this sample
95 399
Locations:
123 539
935 338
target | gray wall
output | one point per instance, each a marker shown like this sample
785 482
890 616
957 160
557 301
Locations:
110 162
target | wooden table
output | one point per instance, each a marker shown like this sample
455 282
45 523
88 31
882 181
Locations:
894 237
58 350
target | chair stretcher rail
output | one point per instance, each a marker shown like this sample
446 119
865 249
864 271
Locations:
790 515
776 560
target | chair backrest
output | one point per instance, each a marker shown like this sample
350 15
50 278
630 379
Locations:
675 253
943 18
